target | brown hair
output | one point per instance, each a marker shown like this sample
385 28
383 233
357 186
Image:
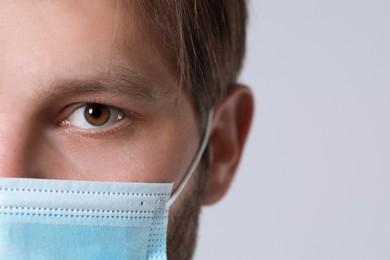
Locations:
206 38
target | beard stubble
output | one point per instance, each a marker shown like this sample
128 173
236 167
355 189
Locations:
184 218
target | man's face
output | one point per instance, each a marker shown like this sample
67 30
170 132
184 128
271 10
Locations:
87 93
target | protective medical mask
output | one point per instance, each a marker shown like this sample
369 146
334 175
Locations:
60 219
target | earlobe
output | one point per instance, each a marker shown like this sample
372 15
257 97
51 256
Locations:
231 123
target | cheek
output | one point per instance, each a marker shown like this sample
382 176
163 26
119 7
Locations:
159 151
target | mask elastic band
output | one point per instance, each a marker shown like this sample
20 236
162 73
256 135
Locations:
195 161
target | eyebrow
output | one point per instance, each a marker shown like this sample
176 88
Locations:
119 81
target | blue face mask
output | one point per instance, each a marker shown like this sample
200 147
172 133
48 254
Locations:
60 219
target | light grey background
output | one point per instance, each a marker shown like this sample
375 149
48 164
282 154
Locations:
314 181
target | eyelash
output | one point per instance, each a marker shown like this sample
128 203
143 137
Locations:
129 118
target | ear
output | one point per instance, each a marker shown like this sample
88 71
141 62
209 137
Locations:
231 122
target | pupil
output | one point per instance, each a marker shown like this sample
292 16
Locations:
95 112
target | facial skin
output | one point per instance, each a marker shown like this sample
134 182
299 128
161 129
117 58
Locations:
56 57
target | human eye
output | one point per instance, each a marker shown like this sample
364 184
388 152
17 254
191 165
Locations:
93 116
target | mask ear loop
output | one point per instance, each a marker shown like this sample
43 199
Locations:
195 161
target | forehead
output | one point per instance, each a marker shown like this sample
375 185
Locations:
47 40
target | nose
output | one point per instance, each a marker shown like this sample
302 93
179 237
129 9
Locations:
13 141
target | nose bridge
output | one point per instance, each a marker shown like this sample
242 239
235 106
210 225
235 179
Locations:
13 140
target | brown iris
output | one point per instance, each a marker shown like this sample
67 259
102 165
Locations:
96 114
